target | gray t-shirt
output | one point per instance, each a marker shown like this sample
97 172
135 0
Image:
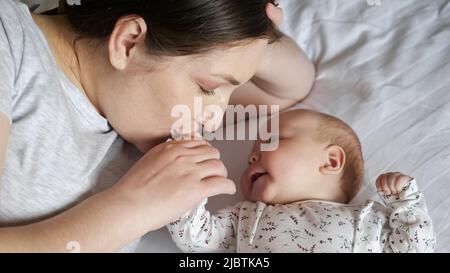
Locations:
60 150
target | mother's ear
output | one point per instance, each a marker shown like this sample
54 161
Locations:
128 33
334 161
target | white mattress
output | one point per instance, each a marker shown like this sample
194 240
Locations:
386 71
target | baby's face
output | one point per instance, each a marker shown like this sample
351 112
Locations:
292 171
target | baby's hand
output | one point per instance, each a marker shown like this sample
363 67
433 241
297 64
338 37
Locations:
392 183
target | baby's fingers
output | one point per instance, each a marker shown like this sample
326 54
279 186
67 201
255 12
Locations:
384 183
392 183
401 181
377 184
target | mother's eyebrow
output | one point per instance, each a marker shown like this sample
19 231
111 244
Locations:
228 78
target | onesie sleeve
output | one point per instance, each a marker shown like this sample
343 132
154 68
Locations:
410 226
201 231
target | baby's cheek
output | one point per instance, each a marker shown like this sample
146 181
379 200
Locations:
275 162
282 171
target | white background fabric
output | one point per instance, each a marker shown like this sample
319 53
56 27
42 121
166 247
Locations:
385 69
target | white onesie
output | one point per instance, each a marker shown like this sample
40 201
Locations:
402 225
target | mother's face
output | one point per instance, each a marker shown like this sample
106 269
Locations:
142 95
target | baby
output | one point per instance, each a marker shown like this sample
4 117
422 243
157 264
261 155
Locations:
297 200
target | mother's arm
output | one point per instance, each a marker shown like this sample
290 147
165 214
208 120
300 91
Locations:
86 223
285 77
95 225
165 183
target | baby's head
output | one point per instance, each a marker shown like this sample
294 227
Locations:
318 158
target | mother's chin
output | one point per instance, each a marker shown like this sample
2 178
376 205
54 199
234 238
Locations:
146 145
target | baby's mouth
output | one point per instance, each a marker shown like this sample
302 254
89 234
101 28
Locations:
257 175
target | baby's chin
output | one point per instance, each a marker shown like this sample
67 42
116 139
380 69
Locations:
260 192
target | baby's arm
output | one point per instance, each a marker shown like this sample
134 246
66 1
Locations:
200 231
411 227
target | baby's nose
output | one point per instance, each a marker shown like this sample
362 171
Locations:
254 157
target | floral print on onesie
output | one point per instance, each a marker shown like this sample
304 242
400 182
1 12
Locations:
401 225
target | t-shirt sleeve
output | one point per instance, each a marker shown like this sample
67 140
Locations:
6 75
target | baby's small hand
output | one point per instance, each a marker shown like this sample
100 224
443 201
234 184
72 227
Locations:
392 183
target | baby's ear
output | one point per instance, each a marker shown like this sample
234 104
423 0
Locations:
334 160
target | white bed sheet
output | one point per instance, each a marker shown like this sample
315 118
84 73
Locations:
386 71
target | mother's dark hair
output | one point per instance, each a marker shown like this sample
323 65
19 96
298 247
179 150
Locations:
177 27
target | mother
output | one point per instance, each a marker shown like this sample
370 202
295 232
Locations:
75 89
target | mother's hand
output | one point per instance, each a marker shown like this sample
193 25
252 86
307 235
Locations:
171 179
